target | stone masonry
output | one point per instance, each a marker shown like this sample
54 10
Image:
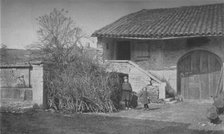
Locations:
22 83
161 56
137 77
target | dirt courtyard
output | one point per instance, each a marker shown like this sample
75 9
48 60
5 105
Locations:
56 123
190 112
185 118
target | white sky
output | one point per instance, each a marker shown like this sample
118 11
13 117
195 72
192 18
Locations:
18 24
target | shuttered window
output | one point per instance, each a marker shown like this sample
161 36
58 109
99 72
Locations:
141 51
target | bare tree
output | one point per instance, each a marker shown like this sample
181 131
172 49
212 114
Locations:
58 36
73 81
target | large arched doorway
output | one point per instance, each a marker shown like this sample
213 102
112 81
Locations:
198 73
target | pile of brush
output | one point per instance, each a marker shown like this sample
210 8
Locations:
82 86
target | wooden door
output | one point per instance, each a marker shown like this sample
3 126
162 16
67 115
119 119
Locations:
198 74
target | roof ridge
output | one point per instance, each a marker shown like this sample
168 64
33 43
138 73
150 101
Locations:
187 6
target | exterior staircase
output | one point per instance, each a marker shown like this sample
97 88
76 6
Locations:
138 77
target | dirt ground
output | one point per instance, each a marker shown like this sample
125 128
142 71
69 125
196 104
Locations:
193 113
184 118
56 123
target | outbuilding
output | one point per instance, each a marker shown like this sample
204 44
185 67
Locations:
183 47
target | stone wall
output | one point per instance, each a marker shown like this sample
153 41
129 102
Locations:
167 76
160 57
22 83
153 94
23 94
37 83
164 54
138 77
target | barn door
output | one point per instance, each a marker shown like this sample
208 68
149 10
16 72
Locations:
198 74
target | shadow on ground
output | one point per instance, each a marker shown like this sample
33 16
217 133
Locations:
55 123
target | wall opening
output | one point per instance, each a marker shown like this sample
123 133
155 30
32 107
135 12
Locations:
123 50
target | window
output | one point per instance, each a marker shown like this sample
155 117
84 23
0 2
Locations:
141 51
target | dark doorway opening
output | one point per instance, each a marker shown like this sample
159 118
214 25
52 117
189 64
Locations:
123 50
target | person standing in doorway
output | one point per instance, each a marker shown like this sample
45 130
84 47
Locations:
126 92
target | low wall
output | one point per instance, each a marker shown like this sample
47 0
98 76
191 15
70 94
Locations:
20 94
167 76
22 82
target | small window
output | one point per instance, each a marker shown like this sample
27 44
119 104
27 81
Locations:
141 51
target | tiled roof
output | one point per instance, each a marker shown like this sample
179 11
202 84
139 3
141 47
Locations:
204 20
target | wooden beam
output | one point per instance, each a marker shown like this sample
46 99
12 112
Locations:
222 79
220 83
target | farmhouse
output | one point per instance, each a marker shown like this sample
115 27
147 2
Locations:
183 47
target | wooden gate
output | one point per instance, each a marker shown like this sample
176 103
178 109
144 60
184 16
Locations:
198 73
